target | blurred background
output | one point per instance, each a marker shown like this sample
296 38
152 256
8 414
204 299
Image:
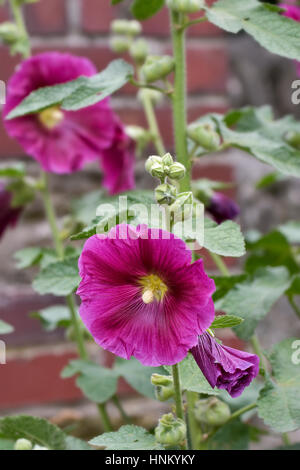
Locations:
223 72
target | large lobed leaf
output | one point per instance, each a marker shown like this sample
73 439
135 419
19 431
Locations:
60 278
275 32
127 438
279 401
76 94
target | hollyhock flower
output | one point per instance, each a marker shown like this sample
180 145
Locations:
291 11
63 141
222 208
225 367
8 214
141 296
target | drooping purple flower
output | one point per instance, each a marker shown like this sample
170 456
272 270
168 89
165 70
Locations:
8 215
141 296
224 367
222 208
63 141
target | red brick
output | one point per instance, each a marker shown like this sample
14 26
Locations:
46 17
37 380
96 18
4 13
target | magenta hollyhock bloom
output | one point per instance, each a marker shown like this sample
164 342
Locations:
8 215
63 141
141 296
291 11
224 367
222 208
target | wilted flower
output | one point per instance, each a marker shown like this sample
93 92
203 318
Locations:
141 296
224 367
222 208
63 141
8 215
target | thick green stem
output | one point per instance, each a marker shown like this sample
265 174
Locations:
179 98
16 9
178 395
104 417
78 334
194 428
124 415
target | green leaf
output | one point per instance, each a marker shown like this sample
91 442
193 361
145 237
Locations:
226 321
225 284
231 436
143 10
5 328
279 401
225 239
269 179
192 378
73 443
6 444
76 94
275 32
28 257
37 430
291 231
272 249
97 383
54 317
137 375
115 2
14 170
253 298
127 438
60 278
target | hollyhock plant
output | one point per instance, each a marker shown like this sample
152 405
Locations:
222 208
8 215
63 141
141 296
224 367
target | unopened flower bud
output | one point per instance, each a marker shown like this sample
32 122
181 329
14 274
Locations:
152 160
139 51
185 6
137 133
23 444
125 27
9 32
162 380
293 138
167 159
157 171
177 171
153 95
165 194
182 208
205 136
158 67
119 45
170 431
212 412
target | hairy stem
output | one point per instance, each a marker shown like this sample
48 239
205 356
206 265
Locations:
179 98
178 395
194 428
16 9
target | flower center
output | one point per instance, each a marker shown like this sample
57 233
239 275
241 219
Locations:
51 117
153 288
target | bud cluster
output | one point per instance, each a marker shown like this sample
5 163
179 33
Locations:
168 172
157 67
211 412
125 32
170 431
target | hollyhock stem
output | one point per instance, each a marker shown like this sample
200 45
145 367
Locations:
104 417
192 397
220 264
179 98
16 9
178 395
124 415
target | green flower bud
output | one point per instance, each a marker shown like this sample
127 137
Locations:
293 138
119 45
134 28
205 136
153 160
182 208
170 431
126 27
162 380
157 67
212 412
23 444
9 32
185 6
137 133
165 194
157 171
164 393
167 160
177 171
139 51
153 95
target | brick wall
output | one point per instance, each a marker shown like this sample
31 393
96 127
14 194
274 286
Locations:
82 27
